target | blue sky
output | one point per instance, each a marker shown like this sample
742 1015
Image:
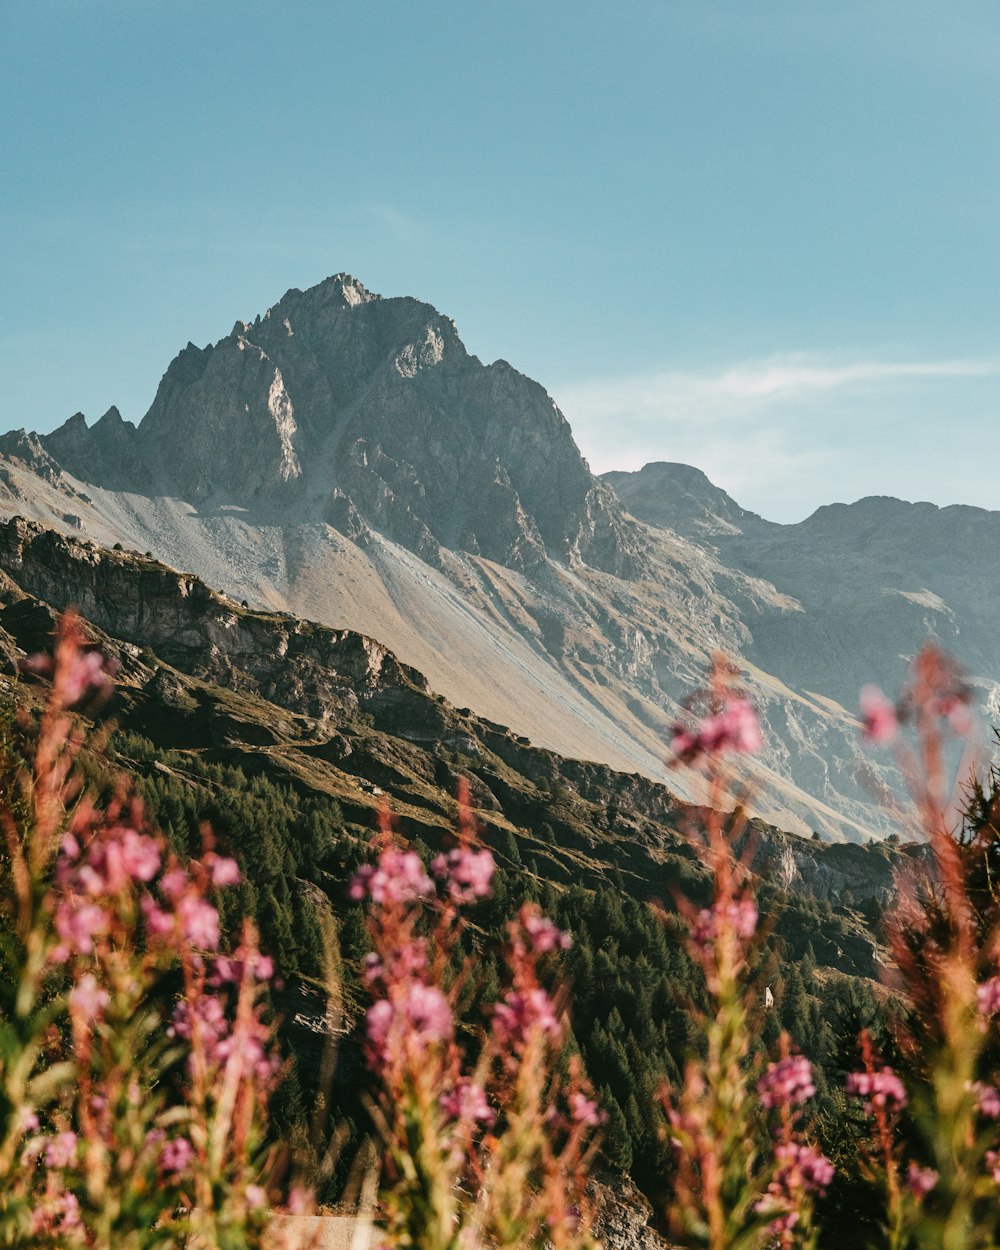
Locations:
761 237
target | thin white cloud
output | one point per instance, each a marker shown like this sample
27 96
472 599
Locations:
786 378
778 433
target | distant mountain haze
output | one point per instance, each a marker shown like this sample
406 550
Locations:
345 458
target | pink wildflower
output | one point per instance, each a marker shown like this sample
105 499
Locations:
27 1121
174 883
988 997
880 721
920 1181
467 1103
735 729
140 855
60 1151
520 1014
545 936
224 871
953 708
77 924
800 1169
419 1017
584 1110
788 1083
399 877
56 1215
407 960
85 674
159 923
812 1168
879 1089
176 1155
199 921
468 872
739 917
256 1197
88 998
989 1100
993 1162
69 848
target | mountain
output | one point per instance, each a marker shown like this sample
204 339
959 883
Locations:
339 406
344 458
873 580
333 712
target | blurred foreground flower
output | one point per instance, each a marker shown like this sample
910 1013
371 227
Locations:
129 1117
485 1143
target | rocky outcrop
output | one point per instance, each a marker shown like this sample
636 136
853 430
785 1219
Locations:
106 453
297 665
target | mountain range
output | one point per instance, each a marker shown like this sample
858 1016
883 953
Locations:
344 458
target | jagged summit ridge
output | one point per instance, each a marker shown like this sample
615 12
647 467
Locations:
360 411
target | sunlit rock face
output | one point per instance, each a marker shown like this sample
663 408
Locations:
339 405
343 457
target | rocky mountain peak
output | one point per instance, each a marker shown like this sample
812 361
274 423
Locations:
367 413
682 498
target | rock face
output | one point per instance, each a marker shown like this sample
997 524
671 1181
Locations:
873 580
339 405
107 452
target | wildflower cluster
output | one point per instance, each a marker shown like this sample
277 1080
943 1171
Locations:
483 1141
938 1170
732 729
128 1115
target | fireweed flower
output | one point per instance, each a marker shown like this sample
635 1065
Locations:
544 935
801 1170
224 871
733 730
468 873
79 673
920 1181
399 877
880 1089
199 921
77 924
87 998
787 1083
739 917
518 1014
805 1163
92 892
879 718
467 1102
988 997
176 1155
988 1097
584 1110
420 1014
60 1151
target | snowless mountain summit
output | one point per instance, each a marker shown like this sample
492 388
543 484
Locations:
340 406
343 457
